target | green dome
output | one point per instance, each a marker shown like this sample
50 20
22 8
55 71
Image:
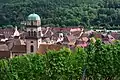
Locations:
33 17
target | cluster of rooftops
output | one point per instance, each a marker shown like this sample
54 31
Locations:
13 41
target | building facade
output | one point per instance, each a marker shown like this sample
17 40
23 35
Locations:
33 29
14 42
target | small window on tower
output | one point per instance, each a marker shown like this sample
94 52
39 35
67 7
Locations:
39 33
29 33
31 41
32 33
35 33
32 48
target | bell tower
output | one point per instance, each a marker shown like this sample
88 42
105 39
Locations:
33 33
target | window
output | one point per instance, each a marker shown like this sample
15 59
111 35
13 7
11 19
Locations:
29 33
39 33
35 33
32 33
31 48
31 41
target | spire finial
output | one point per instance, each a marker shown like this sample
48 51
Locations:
16 33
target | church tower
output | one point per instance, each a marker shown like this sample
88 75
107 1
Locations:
33 29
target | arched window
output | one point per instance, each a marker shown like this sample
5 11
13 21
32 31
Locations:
35 33
29 33
32 34
39 33
31 48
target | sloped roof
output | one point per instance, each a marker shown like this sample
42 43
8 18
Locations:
13 42
43 48
3 47
66 39
115 35
85 39
19 48
8 32
2 36
71 38
97 35
4 54
18 42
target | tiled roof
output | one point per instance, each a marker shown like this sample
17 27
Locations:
4 54
18 42
7 32
3 47
66 39
116 35
85 39
71 38
19 48
2 36
43 48
97 35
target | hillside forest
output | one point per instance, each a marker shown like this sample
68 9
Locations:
62 13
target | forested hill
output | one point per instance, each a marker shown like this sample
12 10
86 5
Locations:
62 12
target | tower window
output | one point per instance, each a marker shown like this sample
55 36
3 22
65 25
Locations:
31 41
31 48
32 33
29 33
35 33
39 33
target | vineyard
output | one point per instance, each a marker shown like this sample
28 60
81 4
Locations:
96 62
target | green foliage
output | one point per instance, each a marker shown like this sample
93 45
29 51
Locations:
62 12
96 62
103 61
54 65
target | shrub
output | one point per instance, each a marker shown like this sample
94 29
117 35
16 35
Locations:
96 62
